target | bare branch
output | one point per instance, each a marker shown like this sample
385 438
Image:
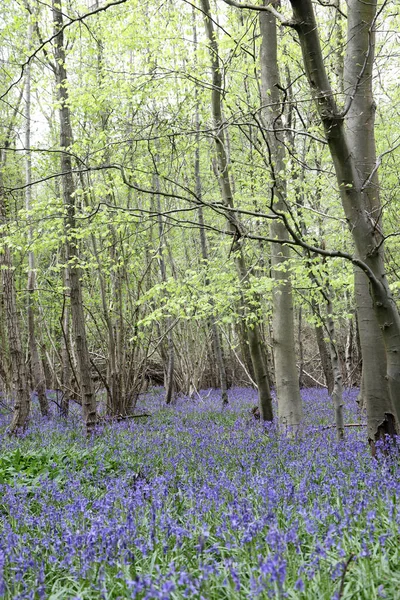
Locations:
278 16
377 165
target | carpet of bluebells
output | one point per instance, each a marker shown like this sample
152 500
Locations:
198 502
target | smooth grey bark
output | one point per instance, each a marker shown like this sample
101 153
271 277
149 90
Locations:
252 329
301 347
360 121
72 250
348 356
363 226
38 379
290 409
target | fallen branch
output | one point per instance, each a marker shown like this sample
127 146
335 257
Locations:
121 417
346 425
313 378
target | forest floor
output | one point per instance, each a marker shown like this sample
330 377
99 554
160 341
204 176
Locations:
199 502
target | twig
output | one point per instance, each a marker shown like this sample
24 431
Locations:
52 37
345 568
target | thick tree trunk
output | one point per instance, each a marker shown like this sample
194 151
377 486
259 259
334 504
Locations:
72 251
360 121
253 334
353 188
286 375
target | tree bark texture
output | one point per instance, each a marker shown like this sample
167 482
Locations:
364 226
360 121
19 376
72 250
290 410
337 392
215 335
323 351
170 350
38 379
253 334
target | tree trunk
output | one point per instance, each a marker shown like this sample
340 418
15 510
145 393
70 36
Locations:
337 392
38 379
349 359
170 352
72 250
286 375
253 334
353 188
323 352
19 376
216 339
360 134
65 356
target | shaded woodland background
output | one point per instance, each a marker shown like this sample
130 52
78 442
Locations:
173 203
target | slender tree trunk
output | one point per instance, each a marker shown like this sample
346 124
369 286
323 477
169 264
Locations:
65 355
301 348
323 352
337 392
253 334
37 372
114 405
349 353
353 187
170 354
72 251
286 375
216 339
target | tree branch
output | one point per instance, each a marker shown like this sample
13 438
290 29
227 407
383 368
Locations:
261 8
52 37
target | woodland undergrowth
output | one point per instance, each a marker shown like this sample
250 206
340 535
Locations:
199 502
